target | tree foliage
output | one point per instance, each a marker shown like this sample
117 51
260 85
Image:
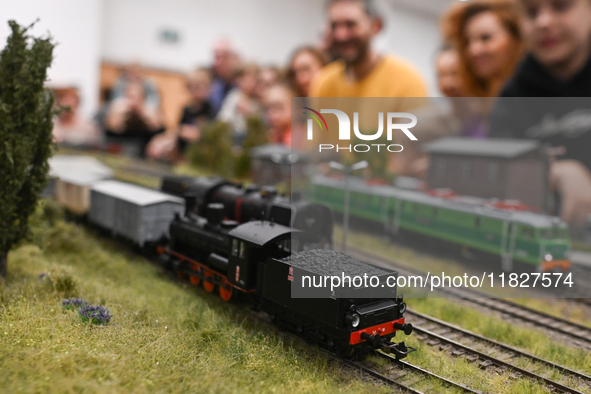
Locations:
256 135
213 151
25 132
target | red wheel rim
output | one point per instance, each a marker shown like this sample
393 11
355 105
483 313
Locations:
225 291
195 280
208 284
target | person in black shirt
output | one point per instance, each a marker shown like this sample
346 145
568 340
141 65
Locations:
199 111
549 97
195 115
131 121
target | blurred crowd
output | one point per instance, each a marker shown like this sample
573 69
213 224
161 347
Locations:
489 49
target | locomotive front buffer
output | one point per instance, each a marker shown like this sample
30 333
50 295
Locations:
400 350
379 336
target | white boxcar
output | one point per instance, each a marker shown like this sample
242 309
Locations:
136 213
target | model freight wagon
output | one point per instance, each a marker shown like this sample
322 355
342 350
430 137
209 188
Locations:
72 191
533 240
138 214
77 174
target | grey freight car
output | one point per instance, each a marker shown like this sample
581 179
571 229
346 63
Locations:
138 214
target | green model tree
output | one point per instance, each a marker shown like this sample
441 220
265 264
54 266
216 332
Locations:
26 110
213 151
256 135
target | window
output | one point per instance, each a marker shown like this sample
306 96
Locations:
234 247
554 233
285 245
242 250
528 232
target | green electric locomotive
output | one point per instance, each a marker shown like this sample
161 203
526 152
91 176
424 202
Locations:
516 237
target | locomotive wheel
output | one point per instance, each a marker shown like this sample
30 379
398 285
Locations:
225 291
195 280
346 351
208 284
180 274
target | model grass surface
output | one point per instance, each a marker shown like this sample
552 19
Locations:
167 336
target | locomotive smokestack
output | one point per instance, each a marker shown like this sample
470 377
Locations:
215 213
190 201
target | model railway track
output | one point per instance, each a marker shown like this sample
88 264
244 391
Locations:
435 329
410 374
375 374
402 371
406 366
578 334
146 170
584 301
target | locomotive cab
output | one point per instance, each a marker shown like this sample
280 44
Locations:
254 242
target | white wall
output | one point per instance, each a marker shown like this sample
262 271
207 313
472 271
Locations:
265 31
413 33
76 26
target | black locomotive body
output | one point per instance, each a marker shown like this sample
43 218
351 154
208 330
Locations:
255 259
244 204
345 325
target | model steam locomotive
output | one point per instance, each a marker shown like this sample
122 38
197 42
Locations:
256 259
253 259
252 203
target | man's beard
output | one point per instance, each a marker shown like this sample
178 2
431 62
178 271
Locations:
360 56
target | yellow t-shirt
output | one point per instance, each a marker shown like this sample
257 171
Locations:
391 77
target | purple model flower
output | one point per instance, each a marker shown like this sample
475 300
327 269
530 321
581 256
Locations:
73 304
95 314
